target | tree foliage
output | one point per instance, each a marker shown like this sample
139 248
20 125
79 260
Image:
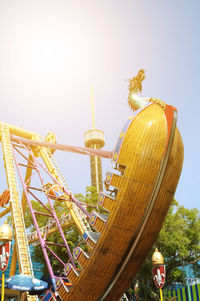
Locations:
179 243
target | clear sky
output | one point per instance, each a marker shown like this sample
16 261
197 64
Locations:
51 51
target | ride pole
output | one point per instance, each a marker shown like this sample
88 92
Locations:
161 295
2 287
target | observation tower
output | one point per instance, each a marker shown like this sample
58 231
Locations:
94 138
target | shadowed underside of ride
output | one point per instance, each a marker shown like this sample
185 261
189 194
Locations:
147 163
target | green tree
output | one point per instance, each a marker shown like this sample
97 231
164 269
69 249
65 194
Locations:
178 241
90 198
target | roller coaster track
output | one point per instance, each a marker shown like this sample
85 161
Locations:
147 163
23 254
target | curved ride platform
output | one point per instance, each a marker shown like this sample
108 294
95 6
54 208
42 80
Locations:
149 156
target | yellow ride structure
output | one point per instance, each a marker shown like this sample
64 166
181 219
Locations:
147 163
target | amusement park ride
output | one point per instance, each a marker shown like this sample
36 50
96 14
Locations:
146 161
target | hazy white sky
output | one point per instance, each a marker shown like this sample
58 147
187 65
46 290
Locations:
51 51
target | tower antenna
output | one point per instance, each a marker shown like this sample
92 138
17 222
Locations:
92 103
94 138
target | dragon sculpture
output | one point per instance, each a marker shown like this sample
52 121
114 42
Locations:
135 86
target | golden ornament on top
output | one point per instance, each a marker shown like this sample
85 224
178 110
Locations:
157 258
